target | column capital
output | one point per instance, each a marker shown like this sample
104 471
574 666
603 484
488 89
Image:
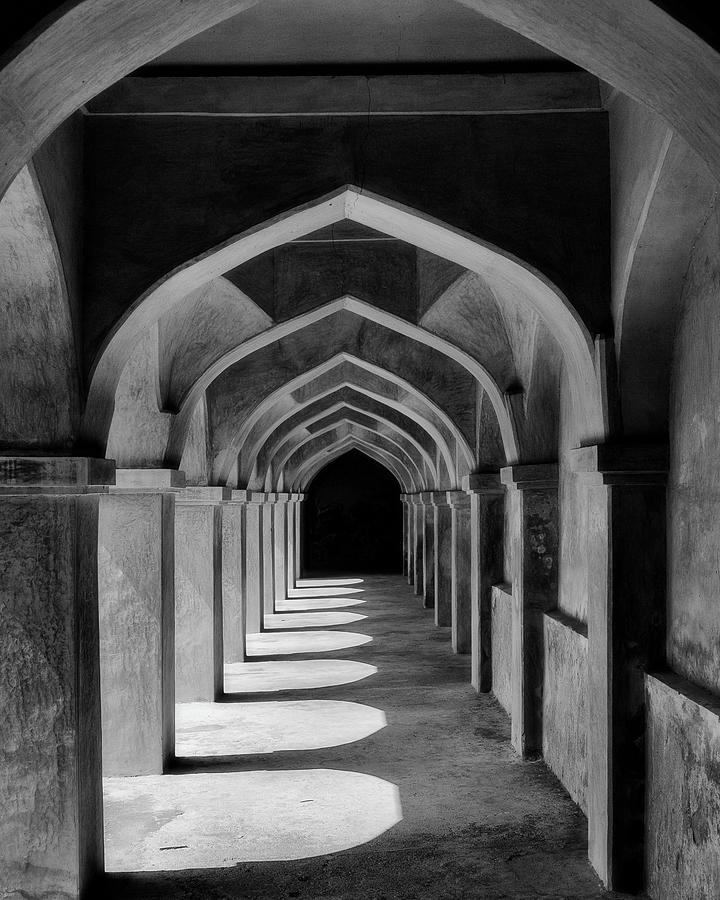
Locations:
483 483
458 499
425 497
21 475
439 498
618 464
203 495
148 481
530 477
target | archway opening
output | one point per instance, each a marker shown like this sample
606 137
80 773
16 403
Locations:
352 518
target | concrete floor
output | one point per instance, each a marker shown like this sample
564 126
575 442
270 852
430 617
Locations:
343 769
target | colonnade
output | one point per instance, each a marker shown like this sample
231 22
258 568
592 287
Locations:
126 590
129 591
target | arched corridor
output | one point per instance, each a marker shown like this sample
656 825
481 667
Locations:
366 781
352 518
359 449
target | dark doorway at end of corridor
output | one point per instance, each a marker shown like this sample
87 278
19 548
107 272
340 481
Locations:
352 518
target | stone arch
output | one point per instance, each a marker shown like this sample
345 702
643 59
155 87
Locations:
229 453
503 271
302 478
40 400
279 438
626 45
336 417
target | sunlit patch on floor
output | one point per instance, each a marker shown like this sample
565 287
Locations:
216 820
321 591
310 603
327 582
293 674
326 619
230 729
286 643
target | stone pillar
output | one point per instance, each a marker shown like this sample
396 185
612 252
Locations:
280 537
233 577
419 538
298 536
290 543
410 537
534 566
51 828
625 494
254 574
461 555
137 620
442 557
268 554
198 594
405 538
487 508
428 539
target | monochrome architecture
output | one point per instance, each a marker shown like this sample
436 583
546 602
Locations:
477 242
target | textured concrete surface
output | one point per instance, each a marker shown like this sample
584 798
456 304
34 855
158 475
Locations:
565 704
434 804
502 646
683 790
137 635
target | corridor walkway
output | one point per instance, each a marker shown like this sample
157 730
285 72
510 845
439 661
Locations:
367 771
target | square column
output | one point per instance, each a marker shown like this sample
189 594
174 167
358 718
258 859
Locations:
487 512
51 828
280 538
625 492
405 535
534 565
233 577
137 620
254 570
298 536
428 544
268 554
460 553
198 593
293 540
442 557
419 540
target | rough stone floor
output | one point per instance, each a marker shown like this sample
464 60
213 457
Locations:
352 759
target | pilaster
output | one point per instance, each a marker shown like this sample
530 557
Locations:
534 566
625 491
487 508
198 593
428 549
461 577
442 557
137 620
51 827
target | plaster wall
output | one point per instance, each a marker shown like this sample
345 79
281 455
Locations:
139 431
39 398
50 790
694 479
502 646
565 704
683 790
178 186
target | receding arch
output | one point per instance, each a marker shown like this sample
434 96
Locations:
304 475
253 445
346 418
281 451
229 454
373 314
502 270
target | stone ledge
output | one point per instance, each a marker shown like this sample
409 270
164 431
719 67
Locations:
55 474
621 463
535 476
135 481
570 622
483 483
203 495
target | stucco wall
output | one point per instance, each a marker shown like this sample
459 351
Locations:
683 791
694 483
502 645
565 704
